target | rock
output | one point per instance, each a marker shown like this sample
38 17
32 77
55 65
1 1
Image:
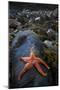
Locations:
49 13
21 46
37 19
19 14
55 13
13 23
48 43
12 12
50 30
30 20
11 30
51 45
51 33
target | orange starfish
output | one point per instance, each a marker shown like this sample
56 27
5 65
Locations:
31 61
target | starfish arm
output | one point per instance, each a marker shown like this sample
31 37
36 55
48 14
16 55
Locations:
43 62
26 68
25 59
37 66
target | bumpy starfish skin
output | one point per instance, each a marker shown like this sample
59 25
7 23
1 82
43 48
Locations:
31 61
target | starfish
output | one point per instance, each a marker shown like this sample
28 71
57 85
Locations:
31 61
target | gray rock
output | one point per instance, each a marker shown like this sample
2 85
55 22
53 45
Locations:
48 43
51 33
55 13
13 23
37 19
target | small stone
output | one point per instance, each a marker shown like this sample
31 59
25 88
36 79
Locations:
51 33
13 23
38 18
48 43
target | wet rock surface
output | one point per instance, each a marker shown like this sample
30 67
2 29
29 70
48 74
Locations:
21 46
